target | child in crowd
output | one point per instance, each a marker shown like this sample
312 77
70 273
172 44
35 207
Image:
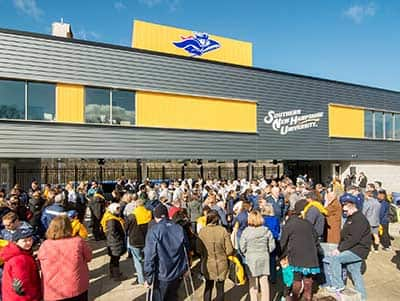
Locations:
21 281
288 277
77 227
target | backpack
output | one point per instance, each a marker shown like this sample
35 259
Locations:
393 218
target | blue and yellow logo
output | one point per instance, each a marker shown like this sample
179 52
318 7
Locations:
197 44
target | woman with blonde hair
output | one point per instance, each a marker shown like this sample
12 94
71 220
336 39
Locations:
64 263
256 243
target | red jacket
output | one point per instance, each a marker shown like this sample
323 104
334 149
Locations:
64 267
20 265
172 211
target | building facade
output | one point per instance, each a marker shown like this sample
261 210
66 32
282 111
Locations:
66 98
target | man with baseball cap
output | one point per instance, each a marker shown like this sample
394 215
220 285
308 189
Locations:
353 249
165 261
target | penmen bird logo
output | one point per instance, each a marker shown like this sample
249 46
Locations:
197 44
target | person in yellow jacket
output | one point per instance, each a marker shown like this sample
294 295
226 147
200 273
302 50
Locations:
114 228
3 243
202 220
77 227
136 229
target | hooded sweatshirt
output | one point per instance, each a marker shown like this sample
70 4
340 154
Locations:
21 281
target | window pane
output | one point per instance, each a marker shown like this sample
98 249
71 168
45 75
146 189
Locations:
123 107
397 126
369 131
97 108
41 101
378 125
388 126
12 99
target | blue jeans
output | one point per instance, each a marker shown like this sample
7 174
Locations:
327 248
353 264
137 256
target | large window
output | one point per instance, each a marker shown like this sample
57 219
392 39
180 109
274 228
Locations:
41 104
382 125
123 107
388 125
378 125
397 126
99 101
12 99
369 124
97 108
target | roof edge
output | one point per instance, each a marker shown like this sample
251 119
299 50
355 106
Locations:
126 48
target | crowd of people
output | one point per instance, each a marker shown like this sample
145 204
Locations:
263 230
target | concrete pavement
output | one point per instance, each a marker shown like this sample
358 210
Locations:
382 277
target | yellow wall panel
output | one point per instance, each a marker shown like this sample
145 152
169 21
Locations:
188 112
346 121
70 103
160 38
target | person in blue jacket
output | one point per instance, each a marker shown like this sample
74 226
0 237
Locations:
53 210
165 257
277 202
384 219
273 224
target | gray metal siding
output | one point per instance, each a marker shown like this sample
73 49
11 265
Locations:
39 58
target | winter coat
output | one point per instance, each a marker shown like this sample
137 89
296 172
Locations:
384 212
164 252
35 206
195 210
79 229
65 273
240 222
371 211
356 235
97 205
334 222
273 225
51 212
255 244
299 242
114 229
172 211
21 280
136 226
278 205
214 246
315 213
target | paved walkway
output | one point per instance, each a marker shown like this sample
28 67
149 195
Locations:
382 278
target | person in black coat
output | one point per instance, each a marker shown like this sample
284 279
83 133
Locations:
300 244
354 247
114 228
97 205
35 205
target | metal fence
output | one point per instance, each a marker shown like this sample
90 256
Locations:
77 174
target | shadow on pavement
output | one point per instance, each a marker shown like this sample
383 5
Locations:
103 284
396 259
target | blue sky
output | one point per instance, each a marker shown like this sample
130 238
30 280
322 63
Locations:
353 41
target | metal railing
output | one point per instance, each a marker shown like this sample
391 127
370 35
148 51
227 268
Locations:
77 174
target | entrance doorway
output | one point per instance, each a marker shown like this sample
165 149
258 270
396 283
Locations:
313 170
